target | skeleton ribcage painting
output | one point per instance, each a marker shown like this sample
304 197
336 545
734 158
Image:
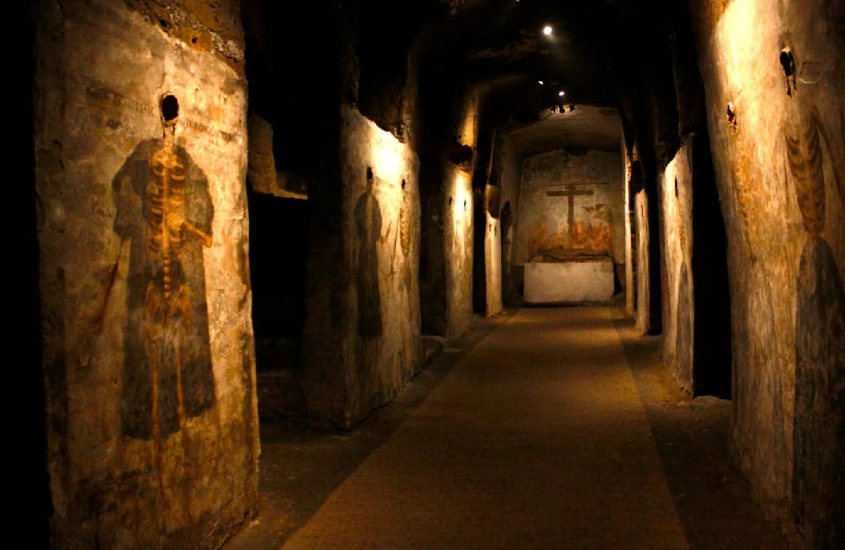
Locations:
165 212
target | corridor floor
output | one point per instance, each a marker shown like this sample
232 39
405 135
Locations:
540 436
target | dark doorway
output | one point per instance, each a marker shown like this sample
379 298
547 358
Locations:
278 253
712 372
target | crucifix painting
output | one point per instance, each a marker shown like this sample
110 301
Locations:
570 192
588 231
164 211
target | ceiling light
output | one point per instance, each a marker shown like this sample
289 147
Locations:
540 82
561 93
547 30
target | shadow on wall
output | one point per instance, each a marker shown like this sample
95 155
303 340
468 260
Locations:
368 222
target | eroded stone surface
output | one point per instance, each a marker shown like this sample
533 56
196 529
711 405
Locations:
676 234
641 249
148 353
379 324
778 150
448 211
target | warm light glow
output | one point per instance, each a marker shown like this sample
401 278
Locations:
386 154
469 125
547 30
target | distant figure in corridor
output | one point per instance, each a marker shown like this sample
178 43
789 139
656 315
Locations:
368 222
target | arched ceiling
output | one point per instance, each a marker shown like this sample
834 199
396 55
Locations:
587 126
597 52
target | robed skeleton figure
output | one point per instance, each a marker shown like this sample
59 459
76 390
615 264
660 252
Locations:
165 212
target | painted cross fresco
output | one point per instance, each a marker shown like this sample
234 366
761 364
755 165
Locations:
570 192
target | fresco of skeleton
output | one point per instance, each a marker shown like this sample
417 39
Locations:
164 216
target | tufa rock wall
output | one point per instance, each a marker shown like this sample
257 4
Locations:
675 193
507 171
378 325
775 116
493 251
140 139
448 210
641 249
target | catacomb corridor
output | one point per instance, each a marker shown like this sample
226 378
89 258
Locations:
427 274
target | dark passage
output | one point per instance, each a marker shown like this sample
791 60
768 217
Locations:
278 253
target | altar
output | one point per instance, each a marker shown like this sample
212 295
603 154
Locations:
569 282
571 230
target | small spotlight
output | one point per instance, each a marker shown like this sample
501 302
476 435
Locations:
540 82
561 93
547 30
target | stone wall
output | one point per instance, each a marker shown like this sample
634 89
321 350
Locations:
675 193
448 210
378 318
140 139
630 291
493 252
458 225
458 250
775 116
641 249
507 172
597 220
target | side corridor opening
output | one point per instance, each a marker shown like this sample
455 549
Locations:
430 274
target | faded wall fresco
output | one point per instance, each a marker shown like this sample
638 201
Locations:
818 479
378 325
571 206
146 304
368 224
780 161
165 213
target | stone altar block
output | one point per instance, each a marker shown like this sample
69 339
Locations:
568 282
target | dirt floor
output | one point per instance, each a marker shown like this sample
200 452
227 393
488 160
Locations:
546 428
